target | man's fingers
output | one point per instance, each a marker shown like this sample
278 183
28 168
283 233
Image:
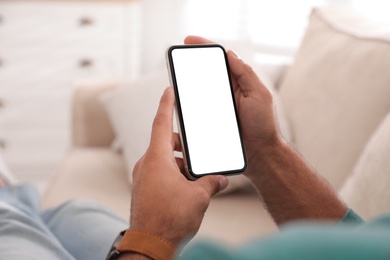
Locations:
191 39
162 125
176 142
180 164
213 183
243 73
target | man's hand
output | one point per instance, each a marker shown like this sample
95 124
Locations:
255 108
164 202
289 187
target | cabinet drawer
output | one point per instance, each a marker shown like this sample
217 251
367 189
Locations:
49 110
36 68
24 149
58 20
34 128
44 47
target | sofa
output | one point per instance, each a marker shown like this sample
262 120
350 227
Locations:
332 103
94 170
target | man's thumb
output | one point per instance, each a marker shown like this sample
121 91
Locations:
214 183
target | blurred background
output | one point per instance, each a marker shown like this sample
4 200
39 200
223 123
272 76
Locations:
46 45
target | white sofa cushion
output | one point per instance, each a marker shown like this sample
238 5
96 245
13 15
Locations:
338 90
132 108
91 173
367 190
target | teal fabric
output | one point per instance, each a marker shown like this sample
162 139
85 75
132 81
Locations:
351 218
350 238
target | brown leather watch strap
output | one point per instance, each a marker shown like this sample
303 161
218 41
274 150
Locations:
147 244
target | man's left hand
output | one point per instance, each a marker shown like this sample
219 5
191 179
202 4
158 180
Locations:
164 202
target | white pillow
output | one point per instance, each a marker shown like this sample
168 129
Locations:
367 190
132 108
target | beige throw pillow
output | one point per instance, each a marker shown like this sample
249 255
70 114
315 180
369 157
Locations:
367 191
338 90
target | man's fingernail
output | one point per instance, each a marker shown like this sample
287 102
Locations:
223 183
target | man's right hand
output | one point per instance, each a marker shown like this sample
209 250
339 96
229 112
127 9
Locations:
255 108
289 187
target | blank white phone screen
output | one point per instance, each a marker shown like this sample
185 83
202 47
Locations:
206 101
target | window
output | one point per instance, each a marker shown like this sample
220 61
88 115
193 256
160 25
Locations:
274 26
270 27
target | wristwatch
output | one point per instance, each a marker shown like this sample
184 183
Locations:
113 254
141 242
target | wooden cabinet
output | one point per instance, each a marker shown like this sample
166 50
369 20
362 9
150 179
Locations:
44 47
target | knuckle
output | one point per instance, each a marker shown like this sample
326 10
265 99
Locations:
158 120
203 194
150 155
248 68
210 187
214 184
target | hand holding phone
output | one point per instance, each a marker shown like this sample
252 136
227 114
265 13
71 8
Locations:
206 111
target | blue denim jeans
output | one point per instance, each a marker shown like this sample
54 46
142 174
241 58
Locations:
77 229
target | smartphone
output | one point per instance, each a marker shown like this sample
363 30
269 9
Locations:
206 110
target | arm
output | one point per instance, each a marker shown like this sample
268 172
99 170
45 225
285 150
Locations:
290 188
165 203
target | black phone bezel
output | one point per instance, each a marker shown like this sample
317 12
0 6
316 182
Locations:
183 137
